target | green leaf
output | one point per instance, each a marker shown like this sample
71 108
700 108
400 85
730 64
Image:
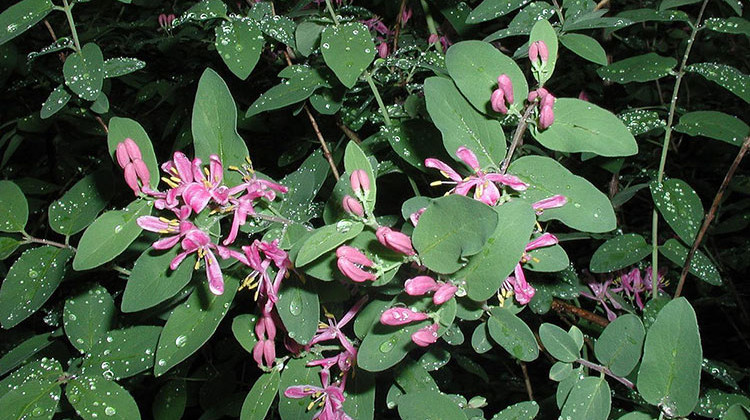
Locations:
87 317
243 331
347 50
715 125
109 235
151 281
671 4
239 42
730 25
619 252
191 324
280 28
619 345
260 397
543 31
327 238
581 126
428 405
56 101
680 206
475 67
94 397
486 271
549 259
558 343
8 246
299 309
83 72
354 159
21 16
80 205
123 128
360 395
302 82
34 396
670 370
296 372
526 410
100 105
303 185
700 265
491 9
737 412
30 282
308 37
205 10
123 353
523 21
452 228
585 47
23 351
640 121
480 341
512 334
587 209
652 15
589 399
641 68
725 76
415 140
44 370
714 403
214 125
120 66
170 401
14 210
462 125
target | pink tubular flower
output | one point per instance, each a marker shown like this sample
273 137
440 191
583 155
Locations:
538 93
549 203
546 117
406 15
333 331
506 85
395 240
377 25
633 284
129 157
444 293
418 286
414 217
538 50
522 290
350 261
330 396
600 293
497 101
360 182
401 316
483 183
353 206
199 193
383 49
425 336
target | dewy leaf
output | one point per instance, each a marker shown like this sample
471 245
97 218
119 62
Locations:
730 25
725 76
619 345
21 16
347 50
680 206
354 159
87 317
94 397
619 252
243 330
56 101
475 67
80 205
581 126
31 280
715 125
123 128
587 209
205 10
558 343
526 410
491 9
360 395
302 82
308 37
151 281
327 238
462 125
23 351
14 209
191 325
214 125
8 245
84 73
170 401
280 28
299 309
523 21
589 399
44 370
35 395
451 228
429 405
239 42
486 271
640 121
120 66
544 32
123 353
261 396
641 68
585 47
670 370
109 235
512 334
296 372
700 265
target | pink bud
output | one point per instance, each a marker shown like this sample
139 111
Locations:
550 203
414 217
420 285
131 178
395 240
539 93
133 150
269 352
354 255
121 154
353 272
537 50
162 20
504 83
425 336
547 100
270 327
401 316
546 117
497 100
353 206
543 51
583 96
383 50
546 239
170 19
433 39
360 181
444 293
258 352
533 52
142 171
406 15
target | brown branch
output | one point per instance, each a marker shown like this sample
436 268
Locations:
601 4
561 306
517 136
711 214
104 126
397 30
348 131
606 371
52 34
527 381
31 239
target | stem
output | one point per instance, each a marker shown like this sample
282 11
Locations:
558 10
276 219
68 9
527 381
329 6
561 306
30 239
397 30
121 270
375 92
665 149
711 214
517 136
606 371
430 23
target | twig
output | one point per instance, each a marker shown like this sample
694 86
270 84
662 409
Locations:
381 105
606 371
527 381
30 239
711 214
431 24
601 4
397 30
68 13
517 136
348 131
559 306
276 219
329 6
101 122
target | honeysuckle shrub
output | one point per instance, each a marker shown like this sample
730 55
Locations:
374 209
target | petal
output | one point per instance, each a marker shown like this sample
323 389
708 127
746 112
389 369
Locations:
178 259
184 169
216 170
418 286
353 272
152 224
354 255
133 150
121 154
196 196
213 272
131 178
444 294
166 243
546 239
468 157
446 170
509 180
301 391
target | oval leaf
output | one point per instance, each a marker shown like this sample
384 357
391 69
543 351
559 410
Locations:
260 397
619 346
151 281
558 343
122 128
94 397
680 206
327 238
585 47
715 125
513 335
700 266
21 16
347 50
80 205
641 68
14 210
84 73
428 405
619 252
725 76
239 42
123 353
299 309
87 317
589 399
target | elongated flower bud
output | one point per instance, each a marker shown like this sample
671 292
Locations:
353 272
142 171
550 203
354 255
420 285
353 206
383 50
533 52
546 117
395 240
444 293
360 182
414 217
506 85
425 336
543 51
497 100
401 316
539 93
131 178
133 150
121 153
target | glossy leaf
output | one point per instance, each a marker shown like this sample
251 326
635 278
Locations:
558 343
523 21
415 406
35 397
327 238
94 397
56 101
347 50
123 353
14 209
23 351
512 334
619 252
280 28
680 206
80 205
619 345
585 47
261 395
151 281
243 331
120 66
544 32
700 266
641 68
8 246
21 16
84 73
715 125
302 82
122 128
297 373
589 399
170 401
725 76
239 42
491 9
730 25
360 395
87 317
526 410
299 309
354 159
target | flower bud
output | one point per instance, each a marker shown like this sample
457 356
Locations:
353 272
395 240
546 117
539 93
360 182
506 85
420 285
133 150
550 203
162 20
383 50
533 52
583 96
142 171
401 316
131 178
269 352
353 206
406 15
121 153
354 255
414 217
538 50
425 336
497 100
433 39
444 293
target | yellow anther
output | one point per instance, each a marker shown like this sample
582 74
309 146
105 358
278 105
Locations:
169 182
205 171
175 179
233 168
535 259
174 171
436 183
322 325
311 405
326 313
197 264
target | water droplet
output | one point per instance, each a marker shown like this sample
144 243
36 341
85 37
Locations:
180 341
387 346
110 411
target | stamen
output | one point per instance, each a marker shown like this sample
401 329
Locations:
169 182
436 183
205 171
197 264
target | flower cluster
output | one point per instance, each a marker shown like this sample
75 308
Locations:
630 283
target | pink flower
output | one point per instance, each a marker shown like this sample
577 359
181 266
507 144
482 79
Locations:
483 183
350 261
538 93
377 25
177 227
414 217
333 330
601 294
418 286
330 396
538 50
506 85
444 293
633 284
383 49
523 290
129 158
425 336
360 182
353 206
546 117
406 15
549 203
401 316
395 240
584 96
497 100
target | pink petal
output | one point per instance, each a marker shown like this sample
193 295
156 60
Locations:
546 239
394 240
213 272
183 166
401 316
509 180
142 171
133 150
216 170
354 255
468 157
301 391
504 83
152 224
444 294
178 259
497 101
446 170
196 196
166 243
425 336
550 203
131 178
121 154
487 193
353 272
418 286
